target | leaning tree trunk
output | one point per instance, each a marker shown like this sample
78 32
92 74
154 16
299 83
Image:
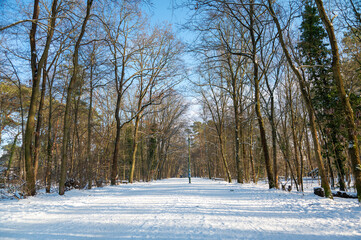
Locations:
70 89
324 183
353 147
262 130
30 124
12 151
224 159
256 79
36 68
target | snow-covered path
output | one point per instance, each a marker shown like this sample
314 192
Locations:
174 209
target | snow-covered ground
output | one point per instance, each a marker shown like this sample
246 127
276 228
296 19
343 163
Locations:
174 209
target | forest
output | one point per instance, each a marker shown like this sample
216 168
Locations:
94 93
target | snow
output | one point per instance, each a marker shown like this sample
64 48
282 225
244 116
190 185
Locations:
174 209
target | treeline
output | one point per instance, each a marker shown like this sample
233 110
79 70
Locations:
100 102
279 96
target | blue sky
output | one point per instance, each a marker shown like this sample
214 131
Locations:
166 10
163 10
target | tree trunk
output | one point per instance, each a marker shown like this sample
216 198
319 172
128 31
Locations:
89 154
39 123
308 146
135 146
274 142
251 153
36 68
262 130
208 159
70 89
340 164
114 167
244 157
286 154
50 144
256 79
301 159
317 148
237 136
12 150
224 159
294 137
30 124
353 147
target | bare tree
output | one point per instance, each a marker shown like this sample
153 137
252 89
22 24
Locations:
70 89
215 99
37 68
306 97
353 147
156 65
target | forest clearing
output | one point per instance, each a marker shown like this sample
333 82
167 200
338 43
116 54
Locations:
175 209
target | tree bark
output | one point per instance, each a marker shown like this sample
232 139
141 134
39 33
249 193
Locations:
89 154
353 147
114 167
50 144
274 143
294 136
135 146
71 86
36 68
256 79
251 154
39 123
324 183
12 150
274 131
237 133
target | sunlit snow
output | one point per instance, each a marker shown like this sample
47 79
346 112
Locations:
174 209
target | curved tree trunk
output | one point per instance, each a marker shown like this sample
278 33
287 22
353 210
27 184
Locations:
317 148
224 159
262 130
256 80
353 147
73 80
36 68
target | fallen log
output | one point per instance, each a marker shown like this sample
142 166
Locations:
342 194
319 191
